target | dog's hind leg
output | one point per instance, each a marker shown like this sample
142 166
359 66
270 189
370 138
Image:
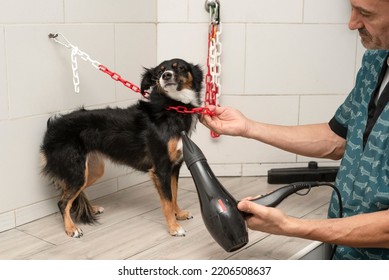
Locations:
168 207
73 198
96 171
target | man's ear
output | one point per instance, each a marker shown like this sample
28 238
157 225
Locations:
148 80
197 74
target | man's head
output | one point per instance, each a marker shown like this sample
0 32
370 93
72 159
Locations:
371 19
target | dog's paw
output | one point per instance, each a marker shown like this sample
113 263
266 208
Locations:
98 209
75 233
179 232
184 215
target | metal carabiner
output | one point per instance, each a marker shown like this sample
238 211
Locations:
213 8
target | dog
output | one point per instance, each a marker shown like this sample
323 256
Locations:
144 136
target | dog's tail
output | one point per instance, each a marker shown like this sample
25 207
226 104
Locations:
83 210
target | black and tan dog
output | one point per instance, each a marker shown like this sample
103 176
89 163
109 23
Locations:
144 136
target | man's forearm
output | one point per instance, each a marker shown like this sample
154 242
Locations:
316 140
361 231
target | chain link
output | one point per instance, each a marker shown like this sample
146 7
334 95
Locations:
126 83
76 78
75 51
212 78
185 110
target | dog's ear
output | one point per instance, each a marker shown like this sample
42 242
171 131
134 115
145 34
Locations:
197 74
148 80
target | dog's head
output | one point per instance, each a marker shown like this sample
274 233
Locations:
177 79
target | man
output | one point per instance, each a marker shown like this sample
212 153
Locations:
358 134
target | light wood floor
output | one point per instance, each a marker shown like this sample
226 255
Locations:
133 227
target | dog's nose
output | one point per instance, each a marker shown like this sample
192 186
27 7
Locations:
167 75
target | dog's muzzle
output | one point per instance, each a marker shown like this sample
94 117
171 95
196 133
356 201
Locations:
168 79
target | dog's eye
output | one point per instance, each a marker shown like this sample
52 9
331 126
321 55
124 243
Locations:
161 70
181 68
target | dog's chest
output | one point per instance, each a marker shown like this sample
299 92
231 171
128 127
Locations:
175 150
175 146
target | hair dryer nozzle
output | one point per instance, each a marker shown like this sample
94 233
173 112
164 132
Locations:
192 152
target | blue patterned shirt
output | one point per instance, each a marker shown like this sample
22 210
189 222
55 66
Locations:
363 176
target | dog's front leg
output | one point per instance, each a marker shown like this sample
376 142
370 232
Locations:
163 185
180 214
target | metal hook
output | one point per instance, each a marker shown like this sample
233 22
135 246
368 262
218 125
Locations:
213 8
54 37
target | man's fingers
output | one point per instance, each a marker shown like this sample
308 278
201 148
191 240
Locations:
250 207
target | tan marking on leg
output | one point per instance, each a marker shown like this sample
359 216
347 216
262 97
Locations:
167 209
70 228
97 209
174 153
96 168
180 214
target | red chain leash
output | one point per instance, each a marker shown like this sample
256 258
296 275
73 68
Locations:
185 110
126 83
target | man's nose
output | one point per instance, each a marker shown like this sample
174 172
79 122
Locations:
355 21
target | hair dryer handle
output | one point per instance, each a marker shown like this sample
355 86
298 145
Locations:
276 197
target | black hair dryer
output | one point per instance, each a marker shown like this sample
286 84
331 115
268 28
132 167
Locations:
219 211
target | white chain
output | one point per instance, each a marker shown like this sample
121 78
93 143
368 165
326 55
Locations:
76 78
73 56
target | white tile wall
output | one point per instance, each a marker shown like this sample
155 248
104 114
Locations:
299 59
197 12
264 11
187 41
333 11
3 79
39 69
282 60
172 10
37 11
85 11
21 183
135 46
313 111
233 66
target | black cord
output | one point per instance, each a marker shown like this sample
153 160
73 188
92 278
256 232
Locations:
309 186
337 194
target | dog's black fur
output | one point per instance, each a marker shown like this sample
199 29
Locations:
144 136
